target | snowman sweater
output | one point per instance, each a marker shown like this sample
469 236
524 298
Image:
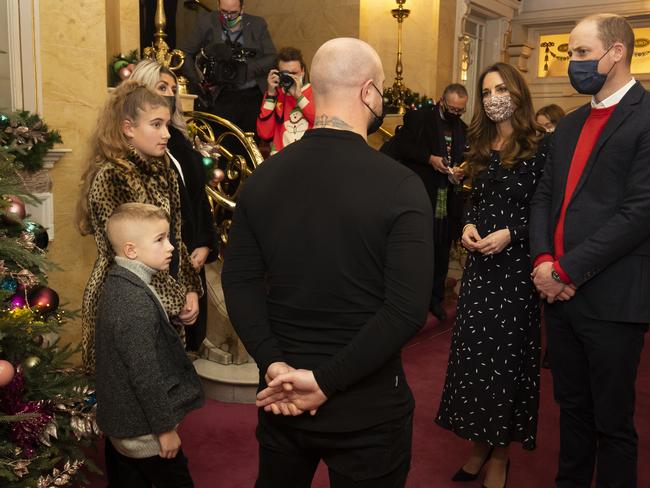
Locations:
283 119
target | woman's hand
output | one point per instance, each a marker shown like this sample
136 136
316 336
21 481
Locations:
470 237
494 243
191 309
198 257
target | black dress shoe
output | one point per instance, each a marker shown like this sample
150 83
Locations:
505 483
438 311
462 475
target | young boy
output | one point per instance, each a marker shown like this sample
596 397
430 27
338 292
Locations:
145 383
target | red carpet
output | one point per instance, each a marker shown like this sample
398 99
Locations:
220 441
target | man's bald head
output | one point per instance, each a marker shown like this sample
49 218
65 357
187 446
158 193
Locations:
344 64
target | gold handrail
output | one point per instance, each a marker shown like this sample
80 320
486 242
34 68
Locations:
221 140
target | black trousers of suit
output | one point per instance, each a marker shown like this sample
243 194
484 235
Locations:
594 365
156 472
376 457
241 107
195 333
441 249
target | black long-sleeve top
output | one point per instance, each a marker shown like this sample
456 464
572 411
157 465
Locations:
328 268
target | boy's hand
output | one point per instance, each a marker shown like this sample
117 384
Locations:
170 443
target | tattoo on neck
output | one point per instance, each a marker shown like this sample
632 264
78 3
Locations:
333 122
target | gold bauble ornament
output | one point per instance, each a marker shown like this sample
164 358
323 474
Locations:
31 362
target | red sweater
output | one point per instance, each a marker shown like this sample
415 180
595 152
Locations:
283 119
588 137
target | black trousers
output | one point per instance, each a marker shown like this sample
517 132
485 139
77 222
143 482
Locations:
240 107
195 333
594 365
441 248
125 472
377 457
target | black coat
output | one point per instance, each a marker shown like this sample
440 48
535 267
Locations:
607 223
422 136
198 227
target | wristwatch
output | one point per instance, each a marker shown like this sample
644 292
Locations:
556 276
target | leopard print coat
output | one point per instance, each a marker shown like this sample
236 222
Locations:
134 179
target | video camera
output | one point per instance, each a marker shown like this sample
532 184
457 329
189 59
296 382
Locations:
224 64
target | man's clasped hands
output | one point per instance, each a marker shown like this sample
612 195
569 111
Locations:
290 391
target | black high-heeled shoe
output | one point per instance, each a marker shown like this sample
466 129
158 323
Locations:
505 482
462 475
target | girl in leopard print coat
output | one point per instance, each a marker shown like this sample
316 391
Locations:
130 165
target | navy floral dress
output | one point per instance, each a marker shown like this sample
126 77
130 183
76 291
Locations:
491 391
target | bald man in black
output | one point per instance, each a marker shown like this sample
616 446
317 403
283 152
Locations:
327 274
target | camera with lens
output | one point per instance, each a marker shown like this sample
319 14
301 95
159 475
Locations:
225 64
286 80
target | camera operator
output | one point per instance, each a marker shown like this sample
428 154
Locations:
228 55
288 106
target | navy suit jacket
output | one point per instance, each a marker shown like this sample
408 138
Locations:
607 223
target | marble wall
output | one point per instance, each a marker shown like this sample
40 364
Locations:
73 60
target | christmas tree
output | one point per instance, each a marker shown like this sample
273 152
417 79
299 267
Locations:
46 406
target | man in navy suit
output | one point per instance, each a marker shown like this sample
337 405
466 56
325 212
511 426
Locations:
590 241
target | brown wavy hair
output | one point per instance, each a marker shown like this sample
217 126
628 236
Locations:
109 143
482 132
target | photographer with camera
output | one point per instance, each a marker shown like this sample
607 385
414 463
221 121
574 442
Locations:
228 55
287 108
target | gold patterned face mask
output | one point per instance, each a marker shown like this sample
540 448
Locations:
499 107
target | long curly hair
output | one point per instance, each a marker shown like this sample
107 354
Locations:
109 143
482 131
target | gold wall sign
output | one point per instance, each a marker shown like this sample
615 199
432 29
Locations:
553 59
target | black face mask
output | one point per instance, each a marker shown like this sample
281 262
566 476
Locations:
378 119
171 102
446 114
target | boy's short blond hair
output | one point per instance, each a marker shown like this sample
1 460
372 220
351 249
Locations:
128 214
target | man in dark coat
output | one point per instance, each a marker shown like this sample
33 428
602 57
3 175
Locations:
590 241
432 143
219 34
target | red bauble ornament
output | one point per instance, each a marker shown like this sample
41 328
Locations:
7 372
45 300
124 73
15 212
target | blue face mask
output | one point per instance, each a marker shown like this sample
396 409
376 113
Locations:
585 77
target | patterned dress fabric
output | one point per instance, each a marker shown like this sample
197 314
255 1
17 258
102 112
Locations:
491 391
134 179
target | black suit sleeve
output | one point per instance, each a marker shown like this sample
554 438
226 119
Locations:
244 290
407 278
195 40
540 235
411 145
625 230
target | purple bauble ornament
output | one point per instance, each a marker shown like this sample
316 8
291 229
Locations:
45 300
17 300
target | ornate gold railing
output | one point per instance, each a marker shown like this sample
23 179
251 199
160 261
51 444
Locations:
234 156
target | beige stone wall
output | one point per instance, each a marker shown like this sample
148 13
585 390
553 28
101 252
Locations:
309 23
427 41
73 59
